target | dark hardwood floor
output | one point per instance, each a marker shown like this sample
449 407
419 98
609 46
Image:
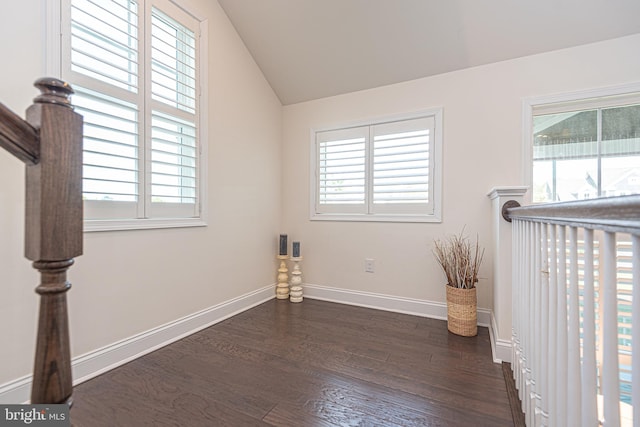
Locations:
310 364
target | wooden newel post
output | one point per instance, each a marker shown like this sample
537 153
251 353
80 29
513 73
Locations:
54 232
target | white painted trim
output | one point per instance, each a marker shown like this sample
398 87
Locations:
16 391
416 307
507 191
500 349
93 225
96 362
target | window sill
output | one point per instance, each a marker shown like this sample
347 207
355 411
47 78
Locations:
376 218
140 224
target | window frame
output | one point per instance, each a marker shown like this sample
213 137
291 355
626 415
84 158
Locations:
55 16
435 174
583 99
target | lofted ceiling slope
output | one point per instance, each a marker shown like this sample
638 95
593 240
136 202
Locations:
310 49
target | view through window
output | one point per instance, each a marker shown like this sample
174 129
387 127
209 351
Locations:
584 154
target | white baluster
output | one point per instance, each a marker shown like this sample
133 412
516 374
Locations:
610 371
635 332
544 326
561 336
553 322
535 327
573 349
523 315
515 305
589 367
530 395
520 313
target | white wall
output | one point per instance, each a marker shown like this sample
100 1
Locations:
128 282
482 149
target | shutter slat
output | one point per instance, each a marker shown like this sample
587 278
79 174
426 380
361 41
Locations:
360 181
398 167
399 143
400 135
402 184
108 180
407 173
400 150
102 153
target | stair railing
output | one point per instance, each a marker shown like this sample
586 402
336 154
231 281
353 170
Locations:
49 142
576 311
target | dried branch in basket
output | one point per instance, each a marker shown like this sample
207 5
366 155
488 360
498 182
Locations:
459 260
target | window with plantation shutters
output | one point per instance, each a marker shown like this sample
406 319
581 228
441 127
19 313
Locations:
382 171
134 65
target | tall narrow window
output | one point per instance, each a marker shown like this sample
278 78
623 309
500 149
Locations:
382 171
134 65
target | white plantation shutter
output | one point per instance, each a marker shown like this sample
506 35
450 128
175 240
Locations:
110 158
173 62
173 165
381 170
341 170
133 65
401 165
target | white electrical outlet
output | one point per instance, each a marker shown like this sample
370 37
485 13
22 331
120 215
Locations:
369 265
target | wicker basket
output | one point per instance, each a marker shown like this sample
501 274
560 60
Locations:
462 315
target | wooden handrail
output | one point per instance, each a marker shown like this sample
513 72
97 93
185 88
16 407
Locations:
615 214
18 137
50 143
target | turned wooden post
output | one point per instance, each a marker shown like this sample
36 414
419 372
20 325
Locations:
54 232
49 142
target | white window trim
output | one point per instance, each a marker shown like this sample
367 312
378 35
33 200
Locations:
52 42
529 104
435 174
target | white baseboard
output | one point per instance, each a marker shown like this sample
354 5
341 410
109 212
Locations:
16 391
500 349
416 307
104 359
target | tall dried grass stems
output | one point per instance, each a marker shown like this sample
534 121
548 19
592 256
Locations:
459 260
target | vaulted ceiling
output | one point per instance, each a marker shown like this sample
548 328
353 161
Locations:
309 49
